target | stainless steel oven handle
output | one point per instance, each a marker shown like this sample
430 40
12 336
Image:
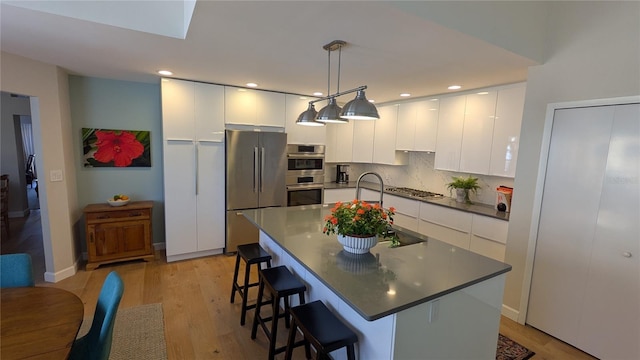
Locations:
305 156
305 187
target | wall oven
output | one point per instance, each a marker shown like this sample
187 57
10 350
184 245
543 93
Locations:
305 174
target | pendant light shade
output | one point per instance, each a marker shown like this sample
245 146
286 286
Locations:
331 113
308 117
360 108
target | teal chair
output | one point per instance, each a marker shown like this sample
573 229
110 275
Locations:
96 344
15 271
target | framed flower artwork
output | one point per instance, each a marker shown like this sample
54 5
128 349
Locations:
116 148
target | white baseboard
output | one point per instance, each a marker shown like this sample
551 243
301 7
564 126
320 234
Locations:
61 275
510 313
193 255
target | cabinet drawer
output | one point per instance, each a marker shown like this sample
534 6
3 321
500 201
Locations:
405 221
334 195
444 234
454 219
118 215
490 229
488 248
403 206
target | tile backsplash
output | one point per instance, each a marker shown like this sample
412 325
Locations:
420 174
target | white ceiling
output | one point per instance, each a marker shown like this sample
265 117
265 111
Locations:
392 47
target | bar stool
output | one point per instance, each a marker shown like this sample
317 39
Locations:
251 254
322 329
280 283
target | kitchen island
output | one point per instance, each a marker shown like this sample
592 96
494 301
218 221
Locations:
429 300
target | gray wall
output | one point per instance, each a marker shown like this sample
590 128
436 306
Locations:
113 104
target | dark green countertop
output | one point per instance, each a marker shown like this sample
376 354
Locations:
379 283
477 208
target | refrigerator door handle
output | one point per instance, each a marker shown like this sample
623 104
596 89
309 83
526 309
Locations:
255 169
261 170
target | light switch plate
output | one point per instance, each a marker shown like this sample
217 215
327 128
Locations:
55 175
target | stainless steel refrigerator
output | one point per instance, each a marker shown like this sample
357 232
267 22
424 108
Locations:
256 166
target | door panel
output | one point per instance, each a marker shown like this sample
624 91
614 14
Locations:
612 294
180 195
242 160
210 199
575 169
273 169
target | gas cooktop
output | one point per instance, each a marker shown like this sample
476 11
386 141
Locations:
414 192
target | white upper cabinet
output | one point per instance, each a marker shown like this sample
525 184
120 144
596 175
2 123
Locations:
417 125
449 140
254 107
384 140
300 134
192 111
477 133
209 112
363 133
506 131
339 143
178 109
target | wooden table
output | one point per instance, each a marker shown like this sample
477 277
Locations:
38 322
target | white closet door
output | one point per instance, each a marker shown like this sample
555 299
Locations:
571 198
610 326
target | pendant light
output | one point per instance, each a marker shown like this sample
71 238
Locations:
357 109
331 112
308 117
360 108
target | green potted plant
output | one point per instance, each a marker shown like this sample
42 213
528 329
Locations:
463 186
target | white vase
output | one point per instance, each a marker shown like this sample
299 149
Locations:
461 195
356 244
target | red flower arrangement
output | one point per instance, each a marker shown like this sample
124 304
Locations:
361 219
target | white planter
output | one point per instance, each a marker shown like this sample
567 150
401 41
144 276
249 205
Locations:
357 245
461 194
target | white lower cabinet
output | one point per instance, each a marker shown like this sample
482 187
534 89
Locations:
407 211
334 195
489 236
445 224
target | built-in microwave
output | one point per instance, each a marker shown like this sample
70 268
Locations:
305 159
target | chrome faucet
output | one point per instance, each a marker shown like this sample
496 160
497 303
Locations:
363 175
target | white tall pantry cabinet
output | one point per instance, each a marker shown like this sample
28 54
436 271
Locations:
194 188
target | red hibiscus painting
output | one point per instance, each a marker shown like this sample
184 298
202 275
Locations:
116 148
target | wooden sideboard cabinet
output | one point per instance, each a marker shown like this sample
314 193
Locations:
118 233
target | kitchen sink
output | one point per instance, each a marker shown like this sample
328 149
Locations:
406 237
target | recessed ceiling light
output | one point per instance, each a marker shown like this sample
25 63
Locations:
165 72
303 98
483 93
252 85
372 100
405 94
317 93
454 87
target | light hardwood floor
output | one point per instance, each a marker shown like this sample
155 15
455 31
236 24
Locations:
200 323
